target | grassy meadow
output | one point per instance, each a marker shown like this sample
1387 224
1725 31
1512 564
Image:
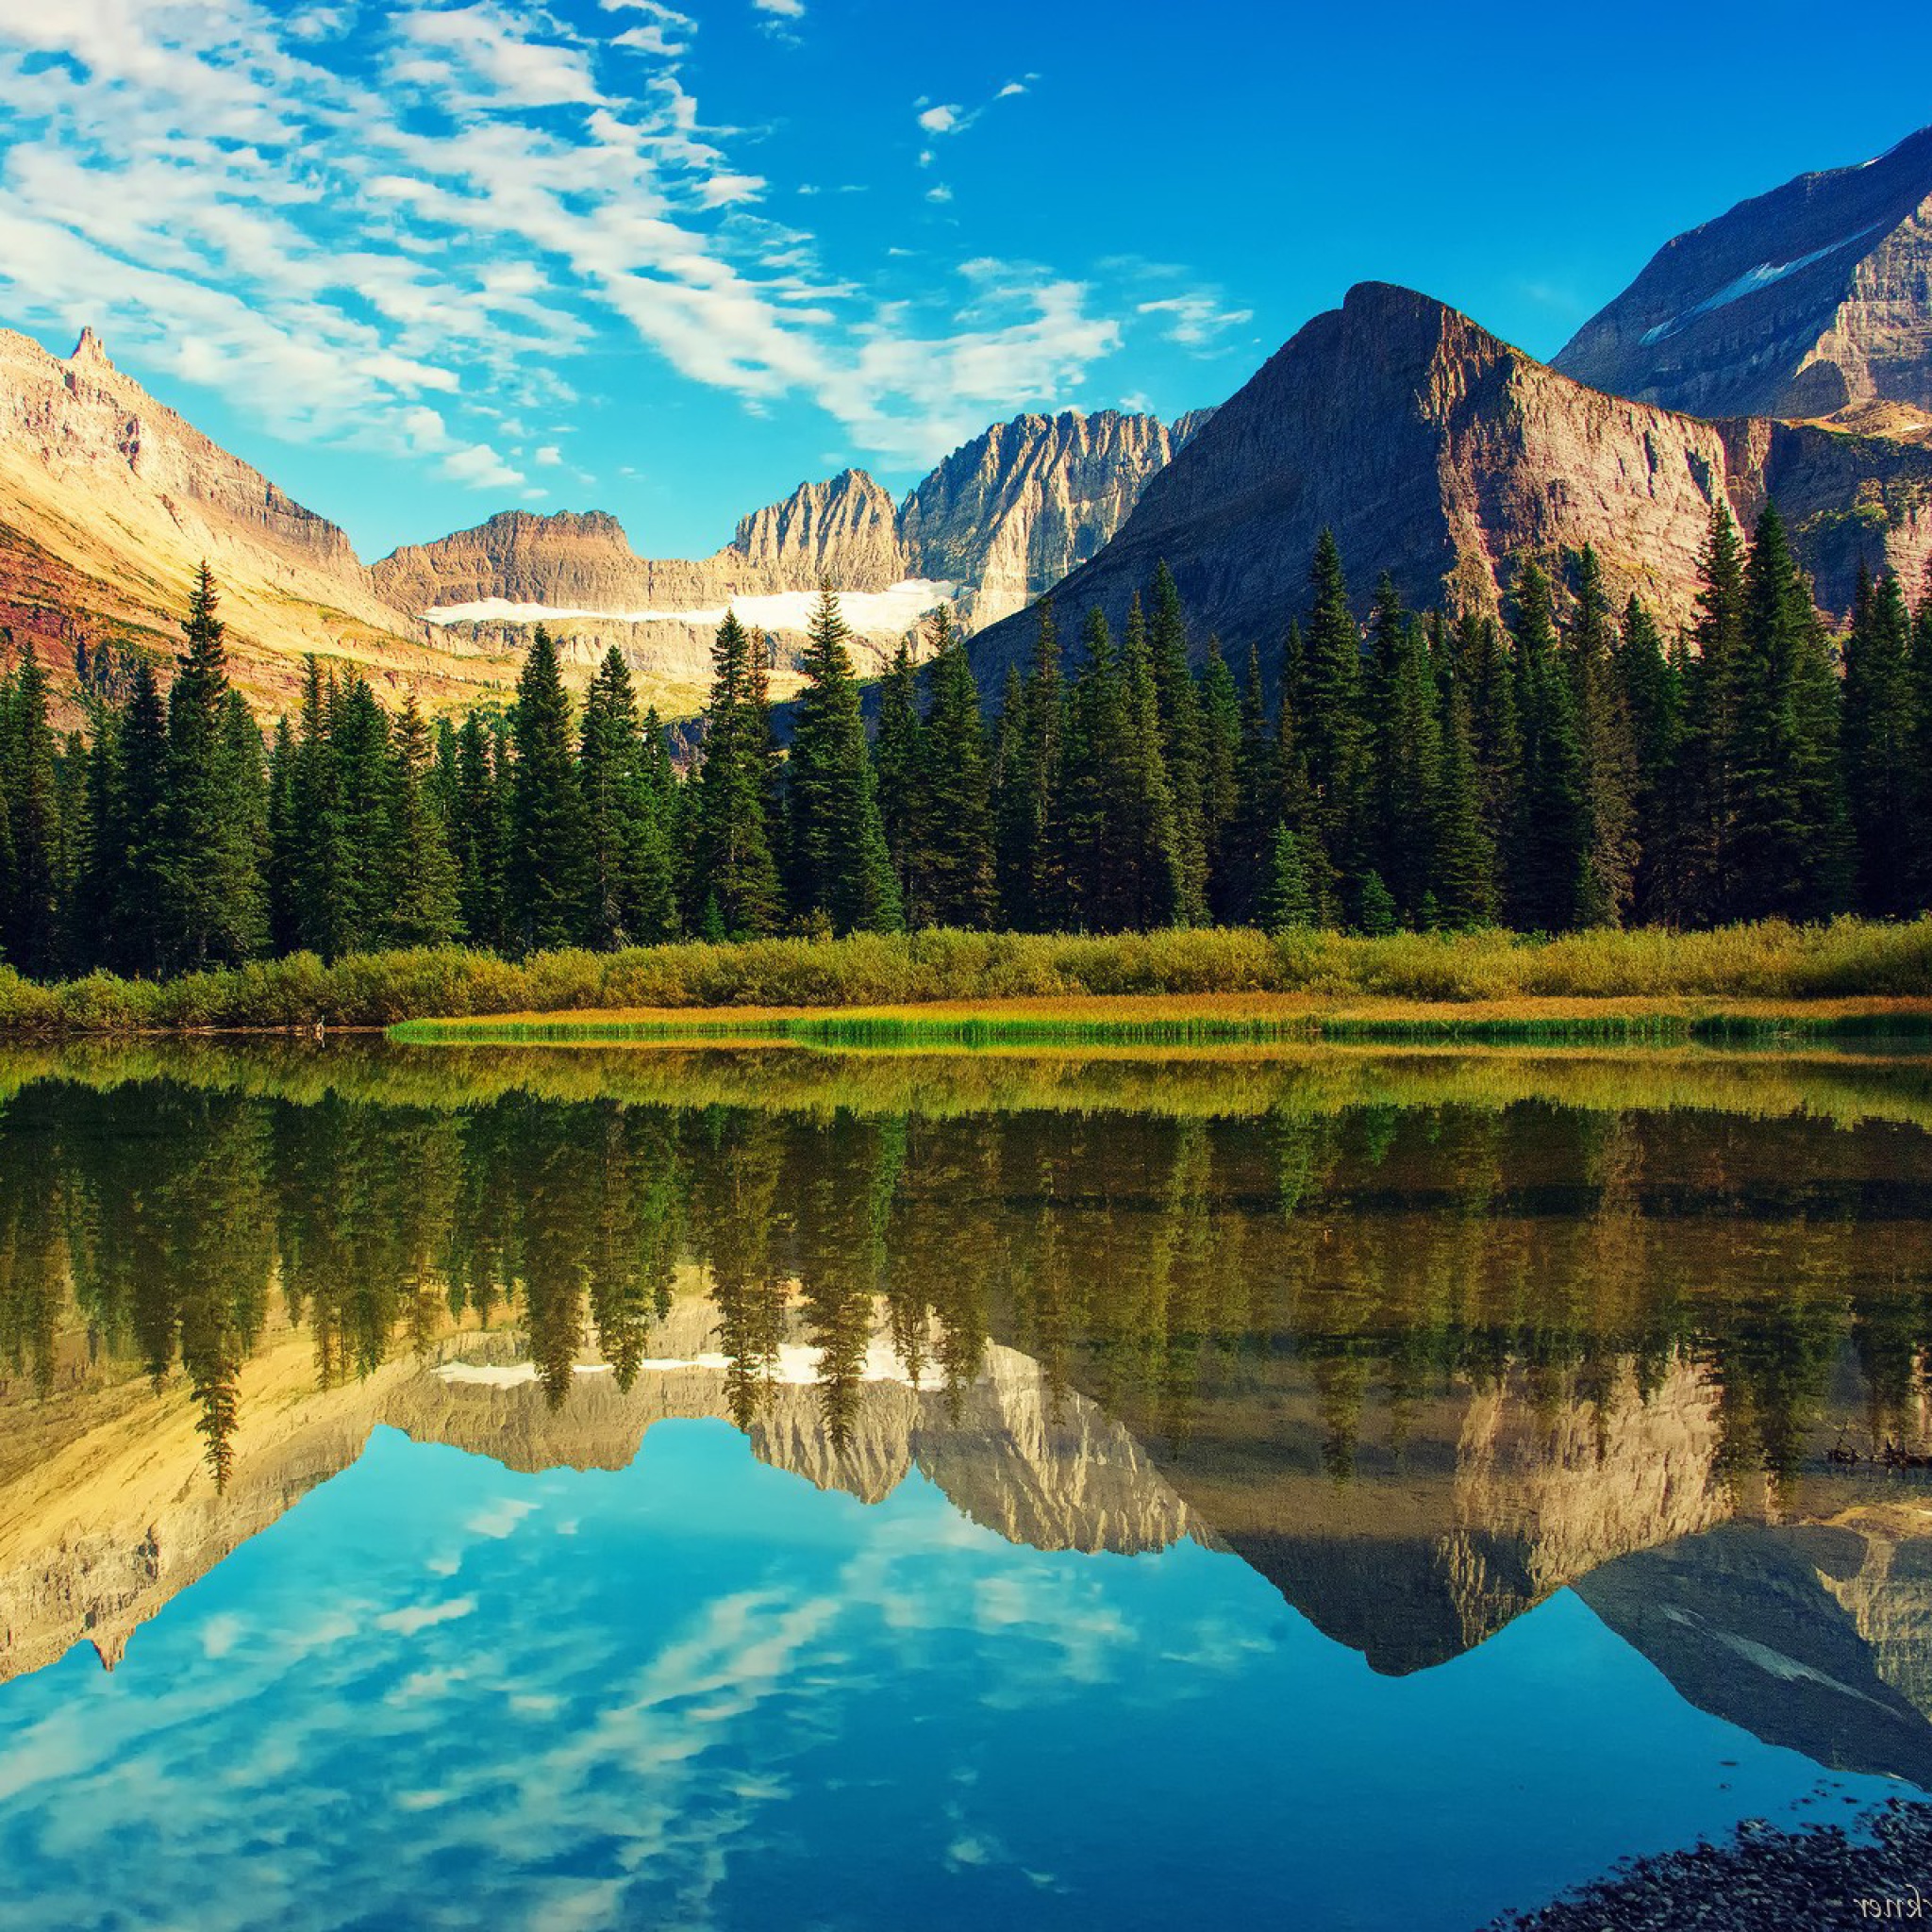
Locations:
1193 987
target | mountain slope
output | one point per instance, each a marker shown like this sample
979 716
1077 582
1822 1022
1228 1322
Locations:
1441 454
1801 303
108 501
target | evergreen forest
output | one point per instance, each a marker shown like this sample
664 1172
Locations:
1565 767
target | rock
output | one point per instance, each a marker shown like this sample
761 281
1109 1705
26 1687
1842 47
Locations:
1802 303
1008 514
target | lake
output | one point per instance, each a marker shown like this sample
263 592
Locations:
768 1488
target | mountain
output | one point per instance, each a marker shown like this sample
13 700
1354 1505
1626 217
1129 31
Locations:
1808 302
997 524
1440 453
109 501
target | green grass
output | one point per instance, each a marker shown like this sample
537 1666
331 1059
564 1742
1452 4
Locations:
1797 969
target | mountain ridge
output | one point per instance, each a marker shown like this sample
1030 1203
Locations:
1799 304
1441 453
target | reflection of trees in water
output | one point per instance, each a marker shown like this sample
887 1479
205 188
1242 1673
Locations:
1156 1263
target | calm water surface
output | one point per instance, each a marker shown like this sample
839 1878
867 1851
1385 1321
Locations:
763 1489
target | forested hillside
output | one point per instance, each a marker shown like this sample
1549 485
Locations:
1575 768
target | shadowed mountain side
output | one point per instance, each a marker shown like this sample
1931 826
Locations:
1808 301
1808 1636
121 1516
1443 455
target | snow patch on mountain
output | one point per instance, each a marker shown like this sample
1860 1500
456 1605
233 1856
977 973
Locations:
1749 283
892 611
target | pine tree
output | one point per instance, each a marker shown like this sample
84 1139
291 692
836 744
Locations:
1181 745
1259 801
1919 726
1463 874
1153 871
1285 902
1881 780
734 889
423 908
1654 703
1030 856
213 909
282 880
1220 751
1082 810
324 882
896 760
1609 760
135 936
1405 754
30 916
361 751
1552 834
1494 730
1783 857
628 897
479 825
951 858
1328 713
840 866
545 866
1703 862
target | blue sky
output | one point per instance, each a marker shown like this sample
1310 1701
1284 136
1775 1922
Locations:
422 262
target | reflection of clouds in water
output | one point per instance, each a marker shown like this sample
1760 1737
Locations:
665 1724
499 1518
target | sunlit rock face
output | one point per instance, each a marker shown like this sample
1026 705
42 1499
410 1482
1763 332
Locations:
1016 509
1812 300
109 502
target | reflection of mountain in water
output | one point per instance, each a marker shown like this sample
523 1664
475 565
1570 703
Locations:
1812 1635
1420 1353
1497 1496
94 1542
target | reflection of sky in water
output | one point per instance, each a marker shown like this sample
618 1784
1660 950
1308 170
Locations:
699 1691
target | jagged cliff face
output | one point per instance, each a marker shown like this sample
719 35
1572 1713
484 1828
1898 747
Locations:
846 530
1013 511
109 501
1441 454
1809 301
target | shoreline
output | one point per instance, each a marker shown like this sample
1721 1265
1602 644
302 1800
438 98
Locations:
1205 1021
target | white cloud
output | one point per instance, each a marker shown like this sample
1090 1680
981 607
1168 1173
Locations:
1195 320
941 120
939 191
548 456
401 263
420 1617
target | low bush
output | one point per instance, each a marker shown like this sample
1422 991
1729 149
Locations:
1849 958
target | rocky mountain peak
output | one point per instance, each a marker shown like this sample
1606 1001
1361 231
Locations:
1798 304
1435 451
90 351
845 529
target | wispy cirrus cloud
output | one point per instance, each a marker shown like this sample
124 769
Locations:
406 250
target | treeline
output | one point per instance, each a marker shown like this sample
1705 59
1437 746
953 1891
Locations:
1573 770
